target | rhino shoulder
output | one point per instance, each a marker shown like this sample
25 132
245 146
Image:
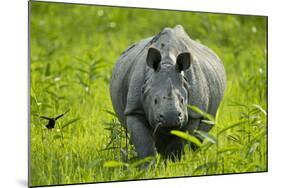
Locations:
136 56
198 89
207 78
134 103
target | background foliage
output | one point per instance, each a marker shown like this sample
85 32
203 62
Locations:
73 50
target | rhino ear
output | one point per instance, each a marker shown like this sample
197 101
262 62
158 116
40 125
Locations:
183 61
153 58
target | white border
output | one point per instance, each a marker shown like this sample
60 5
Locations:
13 114
232 6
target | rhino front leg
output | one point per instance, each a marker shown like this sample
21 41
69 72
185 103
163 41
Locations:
170 147
193 124
197 124
205 127
141 136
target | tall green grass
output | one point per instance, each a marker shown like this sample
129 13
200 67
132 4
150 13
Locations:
73 51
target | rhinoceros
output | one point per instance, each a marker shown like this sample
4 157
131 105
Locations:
155 80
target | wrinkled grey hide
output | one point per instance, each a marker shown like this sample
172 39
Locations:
152 83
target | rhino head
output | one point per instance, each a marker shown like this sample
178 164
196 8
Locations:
165 94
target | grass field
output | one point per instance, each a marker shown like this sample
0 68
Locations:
73 51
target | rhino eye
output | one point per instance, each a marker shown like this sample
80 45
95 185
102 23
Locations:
155 101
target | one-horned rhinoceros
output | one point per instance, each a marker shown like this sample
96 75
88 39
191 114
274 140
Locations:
155 80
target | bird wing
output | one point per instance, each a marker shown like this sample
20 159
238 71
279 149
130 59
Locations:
44 117
59 116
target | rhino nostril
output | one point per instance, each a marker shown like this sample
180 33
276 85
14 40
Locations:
179 117
161 118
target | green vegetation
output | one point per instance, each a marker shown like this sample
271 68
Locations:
73 50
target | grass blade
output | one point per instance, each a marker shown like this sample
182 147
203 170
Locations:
109 148
70 122
207 136
57 137
259 108
229 149
253 148
199 111
112 124
234 103
141 161
187 137
114 164
232 126
234 138
205 166
253 167
111 113
208 122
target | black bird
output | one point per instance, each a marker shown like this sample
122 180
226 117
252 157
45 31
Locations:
52 121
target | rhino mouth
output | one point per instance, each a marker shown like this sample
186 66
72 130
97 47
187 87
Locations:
159 124
160 127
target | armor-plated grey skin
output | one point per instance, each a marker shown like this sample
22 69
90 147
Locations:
154 81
